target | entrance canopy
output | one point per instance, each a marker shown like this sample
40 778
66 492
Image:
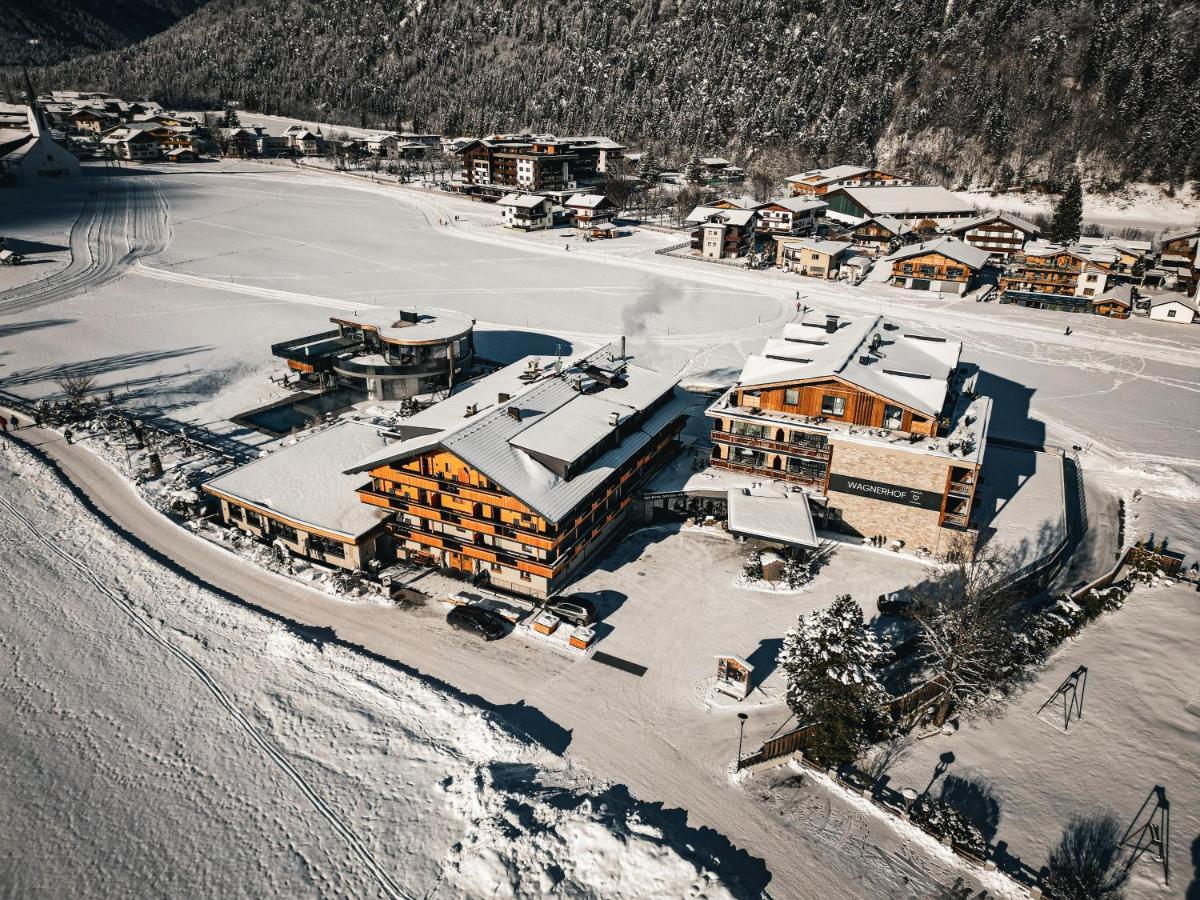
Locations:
771 512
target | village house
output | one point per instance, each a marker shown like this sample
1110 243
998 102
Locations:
90 120
877 424
1180 256
714 166
817 182
789 215
520 478
946 265
1173 307
1053 276
1124 258
1116 302
1000 234
384 355
382 145
591 209
181 154
925 207
811 257
299 498
722 233
881 234
134 144
526 212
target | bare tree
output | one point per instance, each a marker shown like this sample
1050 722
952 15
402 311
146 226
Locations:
618 185
1086 863
75 385
763 184
963 610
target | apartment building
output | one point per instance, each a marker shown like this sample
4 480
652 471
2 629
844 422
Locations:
816 182
946 264
518 479
1056 276
722 233
536 162
1000 235
877 423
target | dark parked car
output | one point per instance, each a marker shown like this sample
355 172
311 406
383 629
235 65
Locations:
574 609
898 603
483 622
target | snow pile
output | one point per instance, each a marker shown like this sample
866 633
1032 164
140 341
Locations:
532 836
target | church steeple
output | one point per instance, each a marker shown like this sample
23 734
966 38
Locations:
37 121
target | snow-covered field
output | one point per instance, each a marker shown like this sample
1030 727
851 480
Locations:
181 278
160 741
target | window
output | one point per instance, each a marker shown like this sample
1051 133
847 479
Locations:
1170 313
908 269
525 576
253 519
287 532
325 547
833 406
893 416
236 512
954 273
791 396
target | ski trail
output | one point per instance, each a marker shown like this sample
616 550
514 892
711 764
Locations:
389 887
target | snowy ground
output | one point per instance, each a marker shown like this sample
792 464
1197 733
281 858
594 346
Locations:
182 276
136 704
1141 206
1140 728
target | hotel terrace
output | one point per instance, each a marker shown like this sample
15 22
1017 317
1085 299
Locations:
877 424
519 478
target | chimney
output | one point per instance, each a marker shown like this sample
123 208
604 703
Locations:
515 412
502 397
831 324
472 409
614 419
622 351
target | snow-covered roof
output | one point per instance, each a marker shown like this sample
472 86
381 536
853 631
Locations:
410 325
796 204
523 201
1121 294
1008 218
558 438
771 512
588 201
825 248
908 200
305 482
871 353
704 214
1181 235
1134 247
824 176
951 248
714 161
1183 300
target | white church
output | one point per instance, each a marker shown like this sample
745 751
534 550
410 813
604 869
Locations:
30 155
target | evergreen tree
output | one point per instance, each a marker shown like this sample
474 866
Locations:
693 171
647 168
828 661
753 567
230 119
1068 214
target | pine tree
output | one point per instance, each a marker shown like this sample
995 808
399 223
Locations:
694 172
1068 214
230 119
647 168
828 661
753 567
797 571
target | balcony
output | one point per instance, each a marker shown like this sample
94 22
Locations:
774 474
961 488
807 449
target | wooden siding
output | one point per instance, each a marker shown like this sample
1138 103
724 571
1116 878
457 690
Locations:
934 266
862 407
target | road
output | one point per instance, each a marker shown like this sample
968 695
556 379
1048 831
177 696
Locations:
608 722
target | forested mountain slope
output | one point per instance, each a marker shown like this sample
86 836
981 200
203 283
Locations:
940 88
36 32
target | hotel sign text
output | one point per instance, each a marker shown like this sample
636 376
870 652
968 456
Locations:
889 493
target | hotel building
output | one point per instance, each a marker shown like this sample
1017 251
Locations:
519 478
878 424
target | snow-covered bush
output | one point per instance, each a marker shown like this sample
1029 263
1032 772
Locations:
829 661
753 567
798 571
942 820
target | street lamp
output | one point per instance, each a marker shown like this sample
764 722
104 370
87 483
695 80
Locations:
742 717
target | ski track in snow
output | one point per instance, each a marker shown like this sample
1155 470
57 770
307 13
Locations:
386 883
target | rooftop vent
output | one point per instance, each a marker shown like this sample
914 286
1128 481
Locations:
614 419
472 408
514 412
866 359
502 397
831 324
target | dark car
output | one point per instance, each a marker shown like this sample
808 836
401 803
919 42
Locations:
483 622
574 609
898 603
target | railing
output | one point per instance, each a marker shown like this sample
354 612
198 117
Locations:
796 448
769 474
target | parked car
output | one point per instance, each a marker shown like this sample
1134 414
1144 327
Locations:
574 608
897 603
485 623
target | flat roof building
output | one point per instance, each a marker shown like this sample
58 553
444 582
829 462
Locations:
298 495
386 356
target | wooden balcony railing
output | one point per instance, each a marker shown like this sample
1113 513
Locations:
808 449
789 477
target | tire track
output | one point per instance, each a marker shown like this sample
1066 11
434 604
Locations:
389 887
116 227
